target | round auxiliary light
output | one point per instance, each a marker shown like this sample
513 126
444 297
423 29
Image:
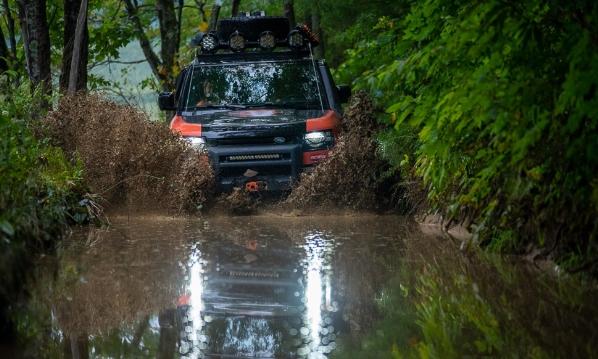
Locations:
267 40
209 43
236 41
296 39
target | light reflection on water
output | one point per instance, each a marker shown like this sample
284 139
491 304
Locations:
313 288
245 287
318 250
195 291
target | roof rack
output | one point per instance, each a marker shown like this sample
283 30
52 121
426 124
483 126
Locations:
254 31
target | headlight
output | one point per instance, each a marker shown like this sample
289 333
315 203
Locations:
318 139
198 143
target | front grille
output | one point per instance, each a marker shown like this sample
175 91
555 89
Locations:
261 170
255 157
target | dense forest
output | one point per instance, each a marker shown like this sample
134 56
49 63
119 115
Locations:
489 107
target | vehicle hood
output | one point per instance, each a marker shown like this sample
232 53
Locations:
251 122
250 117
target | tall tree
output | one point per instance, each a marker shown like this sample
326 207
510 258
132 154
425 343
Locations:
71 11
36 39
78 44
317 29
235 8
162 66
214 14
10 24
289 12
4 54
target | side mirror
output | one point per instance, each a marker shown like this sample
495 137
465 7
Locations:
166 101
344 92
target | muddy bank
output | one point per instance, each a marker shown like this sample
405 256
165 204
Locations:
128 159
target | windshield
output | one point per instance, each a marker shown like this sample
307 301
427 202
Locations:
285 84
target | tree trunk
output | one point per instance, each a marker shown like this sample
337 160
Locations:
289 12
168 40
214 15
10 24
235 8
79 43
71 11
36 38
4 54
180 22
317 30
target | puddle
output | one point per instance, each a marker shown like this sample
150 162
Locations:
265 287
277 286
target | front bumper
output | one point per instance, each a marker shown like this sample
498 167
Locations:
276 166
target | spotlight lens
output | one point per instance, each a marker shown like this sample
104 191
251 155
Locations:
295 39
237 42
209 43
267 40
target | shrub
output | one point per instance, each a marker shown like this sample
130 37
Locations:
502 98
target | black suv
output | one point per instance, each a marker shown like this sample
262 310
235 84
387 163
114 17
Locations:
258 102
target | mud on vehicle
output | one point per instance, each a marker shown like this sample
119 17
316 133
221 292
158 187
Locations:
258 102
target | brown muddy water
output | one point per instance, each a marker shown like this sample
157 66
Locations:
263 286
223 287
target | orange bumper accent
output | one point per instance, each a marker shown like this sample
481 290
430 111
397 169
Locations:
329 121
186 129
311 157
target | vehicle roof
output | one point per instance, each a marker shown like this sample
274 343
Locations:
253 56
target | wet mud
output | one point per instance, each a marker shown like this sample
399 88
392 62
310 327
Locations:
128 159
354 176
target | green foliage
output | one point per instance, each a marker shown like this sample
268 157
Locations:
40 193
38 184
503 99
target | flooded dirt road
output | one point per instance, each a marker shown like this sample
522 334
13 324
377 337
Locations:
274 287
222 287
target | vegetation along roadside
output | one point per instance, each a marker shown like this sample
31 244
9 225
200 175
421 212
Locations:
492 105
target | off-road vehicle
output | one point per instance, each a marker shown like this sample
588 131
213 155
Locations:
258 102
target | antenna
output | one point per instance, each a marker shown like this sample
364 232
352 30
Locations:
313 63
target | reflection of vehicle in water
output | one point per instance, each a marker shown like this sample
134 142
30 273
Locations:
264 115
251 299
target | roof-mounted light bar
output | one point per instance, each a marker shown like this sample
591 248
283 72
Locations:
255 31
